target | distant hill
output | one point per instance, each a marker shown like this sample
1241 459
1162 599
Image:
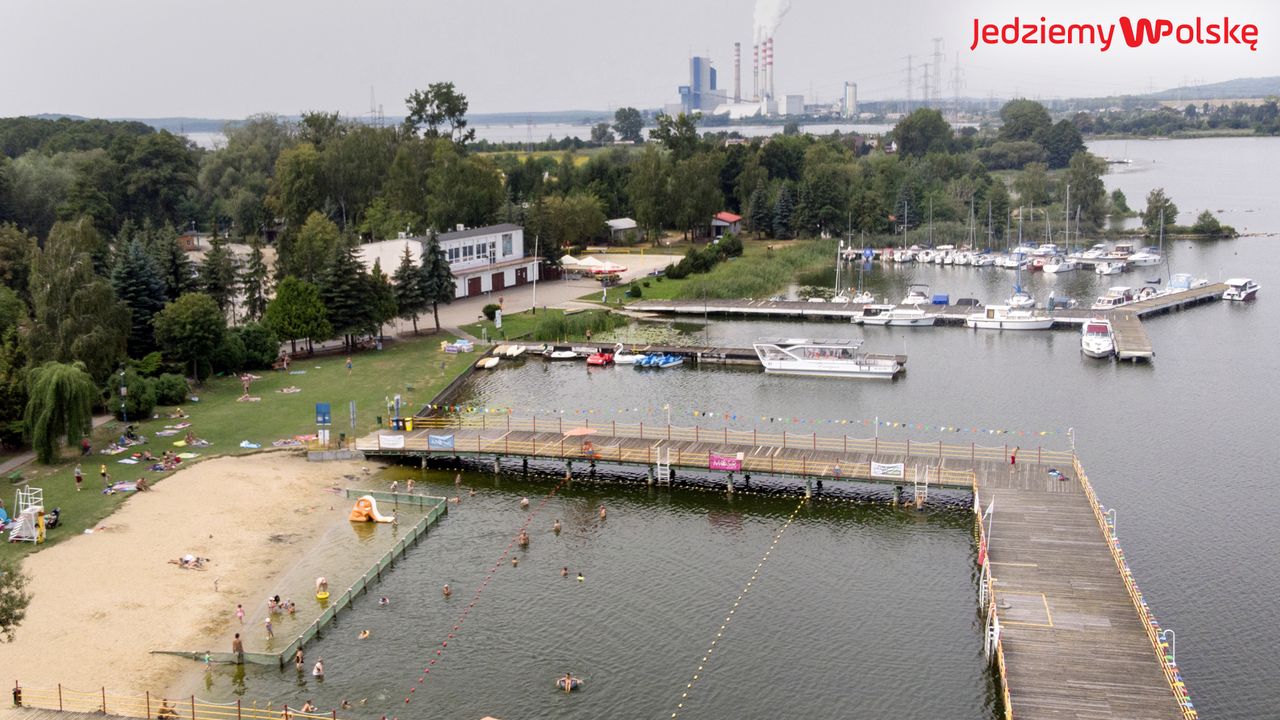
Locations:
1239 88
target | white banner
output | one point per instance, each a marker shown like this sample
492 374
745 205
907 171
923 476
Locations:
391 442
892 471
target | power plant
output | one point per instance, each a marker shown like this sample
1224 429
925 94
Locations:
703 93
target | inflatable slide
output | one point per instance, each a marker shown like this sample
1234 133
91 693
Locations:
366 510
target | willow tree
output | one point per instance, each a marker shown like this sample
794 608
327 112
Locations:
59 405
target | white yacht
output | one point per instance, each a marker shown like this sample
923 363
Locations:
1003 317
917 294
1121 251
893 315
1021 299
1095 252
833 358
1110 267
1184 281
1114 298
1146 257
925 256
1096 338
982 260
1060 264
1240 289
904 256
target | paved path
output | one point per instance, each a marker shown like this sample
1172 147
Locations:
18 461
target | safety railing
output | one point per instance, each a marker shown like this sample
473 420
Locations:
1168 663
987 589
724 436
147 705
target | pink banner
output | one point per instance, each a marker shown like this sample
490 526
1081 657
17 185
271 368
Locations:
724 462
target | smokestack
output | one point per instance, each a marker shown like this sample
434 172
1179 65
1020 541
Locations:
737 73
769 67
755 71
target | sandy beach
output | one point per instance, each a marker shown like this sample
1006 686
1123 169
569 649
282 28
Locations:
103 601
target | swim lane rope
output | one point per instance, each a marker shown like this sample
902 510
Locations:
706 657
489 574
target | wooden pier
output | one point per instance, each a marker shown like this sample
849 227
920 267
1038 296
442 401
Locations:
1067 628
1130 337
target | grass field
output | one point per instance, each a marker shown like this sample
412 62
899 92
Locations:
416 369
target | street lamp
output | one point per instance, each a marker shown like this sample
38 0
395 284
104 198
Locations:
124 392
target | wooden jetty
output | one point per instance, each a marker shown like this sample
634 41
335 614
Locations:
1130 337
1067 628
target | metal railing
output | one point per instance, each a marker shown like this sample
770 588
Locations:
64 699
987 590
1168 663
723 436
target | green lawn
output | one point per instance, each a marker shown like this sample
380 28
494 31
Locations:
416 369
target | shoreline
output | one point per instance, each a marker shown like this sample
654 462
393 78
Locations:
102 601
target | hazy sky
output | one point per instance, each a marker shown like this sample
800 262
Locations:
230 58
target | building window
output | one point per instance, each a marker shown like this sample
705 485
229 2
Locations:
468 251
482 250
506 244
453 254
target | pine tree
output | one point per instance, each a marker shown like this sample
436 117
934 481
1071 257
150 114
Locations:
438 285
218 275
382 297
760 217
409 297
346 292
782 212
176 269
256 282
138 285
297 312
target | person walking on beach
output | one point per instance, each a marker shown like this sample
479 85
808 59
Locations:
237 648
240 613
79 477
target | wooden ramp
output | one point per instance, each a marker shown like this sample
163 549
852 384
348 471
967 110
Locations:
1131 338
1075 645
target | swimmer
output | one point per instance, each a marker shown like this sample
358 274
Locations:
472 493
555 527
447 592
457 480
318 669
395 485
346 705
322 585
308 707
580 577
384 601
564 572
363 634
455 499
408 486
515 561
298 660
602 512
523 539
568 683
524 503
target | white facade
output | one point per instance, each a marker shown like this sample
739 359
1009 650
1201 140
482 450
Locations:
849 109
483 260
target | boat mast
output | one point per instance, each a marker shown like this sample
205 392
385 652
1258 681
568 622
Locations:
990 230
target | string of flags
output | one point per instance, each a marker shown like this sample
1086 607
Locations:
665 411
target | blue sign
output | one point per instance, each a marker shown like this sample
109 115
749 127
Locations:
439 442
323 415
868 253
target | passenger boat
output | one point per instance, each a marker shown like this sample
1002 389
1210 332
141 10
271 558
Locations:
1110 267
1240 289
600 359
829 358
1114 298
894 315
917 294
1003 317
1097 339
1060 264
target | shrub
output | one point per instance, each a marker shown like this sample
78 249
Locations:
491 311
261 347
139 398
229 357
677 271
634 291
730 246
171 389
149 365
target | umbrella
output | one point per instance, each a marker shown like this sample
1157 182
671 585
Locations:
580 431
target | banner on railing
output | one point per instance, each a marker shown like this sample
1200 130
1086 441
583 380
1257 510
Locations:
724 462
391 442
891 471
440 442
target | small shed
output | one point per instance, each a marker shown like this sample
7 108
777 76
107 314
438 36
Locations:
621 229
725 222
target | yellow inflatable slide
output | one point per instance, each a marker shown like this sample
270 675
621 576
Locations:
366 510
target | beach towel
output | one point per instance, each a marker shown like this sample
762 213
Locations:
250 445
287 442
166 433
128 461
248 398
188 455
297 372
121 487
179 426
290 390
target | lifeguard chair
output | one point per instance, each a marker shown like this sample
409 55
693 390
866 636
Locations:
29 506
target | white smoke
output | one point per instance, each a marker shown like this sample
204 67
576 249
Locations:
768 16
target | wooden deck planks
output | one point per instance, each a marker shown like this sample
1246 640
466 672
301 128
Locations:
1085 655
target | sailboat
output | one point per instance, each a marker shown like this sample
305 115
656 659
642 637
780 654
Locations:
1020 299
863 296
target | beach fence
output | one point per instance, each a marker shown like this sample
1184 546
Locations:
435 508
100 702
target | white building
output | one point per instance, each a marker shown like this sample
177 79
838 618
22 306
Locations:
485 259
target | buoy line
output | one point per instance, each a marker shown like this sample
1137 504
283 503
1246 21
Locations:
706 657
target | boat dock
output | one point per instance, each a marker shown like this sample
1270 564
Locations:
1065 625
1134 345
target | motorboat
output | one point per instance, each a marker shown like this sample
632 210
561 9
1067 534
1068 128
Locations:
1114 298
863 298
1110 267
600 359
841 298
1146 257
1184 281
488 363
982 260
893 315
1097 339
501 350
1095 252
1240 289
1121 251
553 353
963 257
1037 263
1003 317
830 358
1146 292
1046 250
622 357
1021 299
925 256
917 294
1059 264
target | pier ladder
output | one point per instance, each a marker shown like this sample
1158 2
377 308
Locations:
663 473
921 485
